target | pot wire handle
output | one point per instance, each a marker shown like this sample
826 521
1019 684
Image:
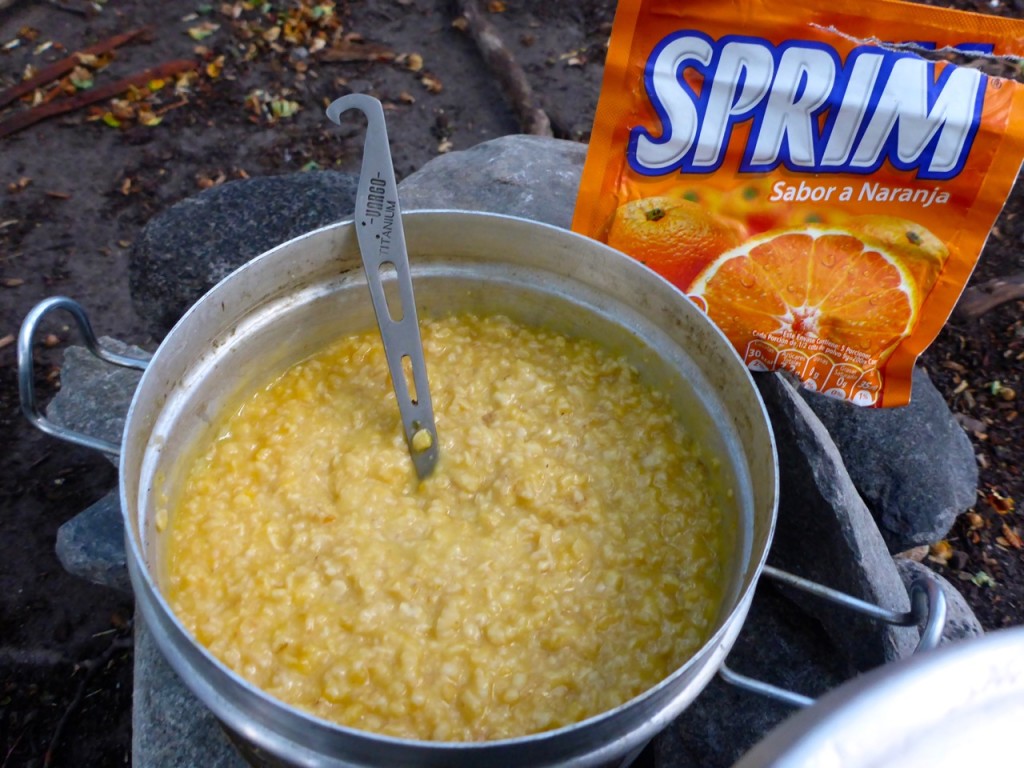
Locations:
26 383
927 603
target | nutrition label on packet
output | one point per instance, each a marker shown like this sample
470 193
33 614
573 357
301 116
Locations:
819 179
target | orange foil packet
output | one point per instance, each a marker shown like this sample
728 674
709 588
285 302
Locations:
818 176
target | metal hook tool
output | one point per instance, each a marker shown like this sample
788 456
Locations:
378 221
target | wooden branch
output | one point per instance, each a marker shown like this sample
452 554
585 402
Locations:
62 67
979 299
506 69
85 98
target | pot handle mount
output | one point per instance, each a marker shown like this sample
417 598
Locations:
927 603
26 384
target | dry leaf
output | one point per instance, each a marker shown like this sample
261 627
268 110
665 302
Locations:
81 78
940 552
982 579
148 118
1012 538
215 67
413 62
356 50
431 83
205 181
203 31
1001 504
12 282
496 6
7 340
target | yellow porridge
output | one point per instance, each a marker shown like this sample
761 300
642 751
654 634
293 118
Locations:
561 559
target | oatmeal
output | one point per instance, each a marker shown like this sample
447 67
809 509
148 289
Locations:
562 558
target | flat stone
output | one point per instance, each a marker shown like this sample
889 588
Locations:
170 727
93 399
779 644
187 249
826 533
913 466
961 622
528 176
95 395
91 544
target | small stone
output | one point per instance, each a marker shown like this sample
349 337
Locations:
917 554
91 544
958 561
961 623
94 396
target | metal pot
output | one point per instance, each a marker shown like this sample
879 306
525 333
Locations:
294 299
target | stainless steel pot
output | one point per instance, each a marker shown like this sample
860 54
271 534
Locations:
295 298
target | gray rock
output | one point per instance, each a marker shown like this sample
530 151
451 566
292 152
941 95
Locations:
825 533
170 728
187 249
93 399
961 623
913 466
779 644
91 544
94 395
528 176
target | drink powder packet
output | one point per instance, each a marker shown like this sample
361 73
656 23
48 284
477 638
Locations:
819 176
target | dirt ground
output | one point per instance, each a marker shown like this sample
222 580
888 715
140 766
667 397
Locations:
76 189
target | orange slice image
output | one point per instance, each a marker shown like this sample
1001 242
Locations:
813 289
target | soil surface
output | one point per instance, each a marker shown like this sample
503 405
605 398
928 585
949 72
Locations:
76 189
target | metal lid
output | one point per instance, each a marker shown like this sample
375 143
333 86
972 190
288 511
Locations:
962 704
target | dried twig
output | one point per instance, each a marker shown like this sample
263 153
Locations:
85 98
356 50
979 299
91 666
85 12
65 65
506 69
